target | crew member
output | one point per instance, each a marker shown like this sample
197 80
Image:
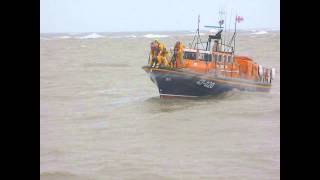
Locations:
163 58
176 60
160 54
153 53
154 57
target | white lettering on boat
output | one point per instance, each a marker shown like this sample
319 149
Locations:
168 79
205 83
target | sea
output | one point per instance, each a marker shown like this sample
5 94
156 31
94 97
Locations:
101 116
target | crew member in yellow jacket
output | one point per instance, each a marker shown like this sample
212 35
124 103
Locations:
158 54
153 53
177 57
163 57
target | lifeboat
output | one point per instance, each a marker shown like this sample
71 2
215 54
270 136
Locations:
211 70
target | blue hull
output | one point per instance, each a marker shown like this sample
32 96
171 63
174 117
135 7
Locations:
182 84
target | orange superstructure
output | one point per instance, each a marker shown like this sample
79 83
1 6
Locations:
211 70
225 64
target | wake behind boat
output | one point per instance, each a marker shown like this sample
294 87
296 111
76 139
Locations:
210 70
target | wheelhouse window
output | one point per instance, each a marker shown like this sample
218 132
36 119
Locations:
205 57
193 56
189 55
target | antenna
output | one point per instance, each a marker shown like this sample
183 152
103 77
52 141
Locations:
234 35
197 54
229 28
237 20
235 32
225 30
196 45
221 21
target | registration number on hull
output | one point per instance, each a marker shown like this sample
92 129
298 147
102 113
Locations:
205 83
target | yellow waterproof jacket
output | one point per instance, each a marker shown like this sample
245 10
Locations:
179 57
161 47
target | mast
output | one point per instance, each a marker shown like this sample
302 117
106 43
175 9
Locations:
220 23
197 54
229 28
235 32
225 30
237 20
197 35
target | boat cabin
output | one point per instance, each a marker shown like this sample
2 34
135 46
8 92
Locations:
224 64
191 54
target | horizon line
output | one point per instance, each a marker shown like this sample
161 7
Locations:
141 31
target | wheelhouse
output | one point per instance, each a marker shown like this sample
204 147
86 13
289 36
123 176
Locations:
191 54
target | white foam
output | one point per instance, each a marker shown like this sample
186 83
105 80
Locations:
91 36
155 36
201 34
260 32
64 37
131 36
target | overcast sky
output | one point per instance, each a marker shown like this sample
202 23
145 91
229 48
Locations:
150 15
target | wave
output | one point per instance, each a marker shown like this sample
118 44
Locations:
64 37
127 36
91 36
155 36
201 34
131 36
260 32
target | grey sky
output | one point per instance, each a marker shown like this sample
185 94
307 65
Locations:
146 15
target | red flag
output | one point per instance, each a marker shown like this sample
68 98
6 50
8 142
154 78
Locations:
239 19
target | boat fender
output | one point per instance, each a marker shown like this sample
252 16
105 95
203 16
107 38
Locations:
268 74
260 71
264 73
273 73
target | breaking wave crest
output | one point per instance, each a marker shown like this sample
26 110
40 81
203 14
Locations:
64 37
155 36
260 32
91 36
201 34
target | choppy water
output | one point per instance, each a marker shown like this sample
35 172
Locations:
101 117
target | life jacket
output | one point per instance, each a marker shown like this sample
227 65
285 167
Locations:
164 52
154 49
160 47
176 47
